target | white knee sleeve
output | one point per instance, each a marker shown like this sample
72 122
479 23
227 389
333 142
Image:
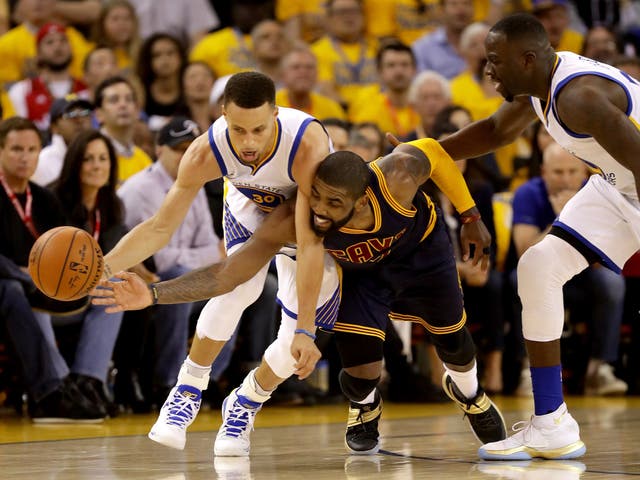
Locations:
278 354
542 271
221 315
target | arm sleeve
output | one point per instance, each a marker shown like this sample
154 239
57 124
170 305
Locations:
445 174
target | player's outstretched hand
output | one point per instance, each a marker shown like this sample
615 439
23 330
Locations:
130 293
476 234
304 350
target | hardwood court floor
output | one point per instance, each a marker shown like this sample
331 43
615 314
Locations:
418 441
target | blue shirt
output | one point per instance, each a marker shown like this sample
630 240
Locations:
434 52
531 205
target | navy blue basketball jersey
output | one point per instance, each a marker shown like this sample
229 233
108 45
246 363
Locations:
395 233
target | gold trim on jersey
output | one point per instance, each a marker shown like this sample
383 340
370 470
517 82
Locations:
384 188
635 122
432 218
274 147
377 215
359 330
548 103
430 328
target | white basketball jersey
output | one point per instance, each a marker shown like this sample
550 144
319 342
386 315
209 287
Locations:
270 182
569 66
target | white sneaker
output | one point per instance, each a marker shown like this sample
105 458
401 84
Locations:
555 435
238 415
604 382
178 412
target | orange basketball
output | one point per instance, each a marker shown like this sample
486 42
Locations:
65 263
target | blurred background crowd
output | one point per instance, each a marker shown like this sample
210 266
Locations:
112 92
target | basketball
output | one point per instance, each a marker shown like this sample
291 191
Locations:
65 263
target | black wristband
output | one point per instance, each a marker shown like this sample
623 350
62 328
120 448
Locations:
154 293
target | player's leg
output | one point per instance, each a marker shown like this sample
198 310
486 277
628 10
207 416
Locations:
427 291
215 326
596 225
241 406
362 366
359 334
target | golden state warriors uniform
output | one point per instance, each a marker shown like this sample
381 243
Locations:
403 268
608 204
251 192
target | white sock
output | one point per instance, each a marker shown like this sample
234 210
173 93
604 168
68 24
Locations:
196 369
194 375
467 382
369 398
251 389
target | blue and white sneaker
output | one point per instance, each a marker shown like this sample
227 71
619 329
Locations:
238 415
178 412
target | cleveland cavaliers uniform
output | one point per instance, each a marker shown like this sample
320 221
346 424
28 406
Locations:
402 268
607 206
251 192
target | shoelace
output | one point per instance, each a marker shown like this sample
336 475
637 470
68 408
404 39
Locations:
523 426
181 410
238 421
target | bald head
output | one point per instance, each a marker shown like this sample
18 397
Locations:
561 170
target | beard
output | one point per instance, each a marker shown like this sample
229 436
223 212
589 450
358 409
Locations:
60 66
334 226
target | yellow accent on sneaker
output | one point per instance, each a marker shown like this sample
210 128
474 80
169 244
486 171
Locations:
359 416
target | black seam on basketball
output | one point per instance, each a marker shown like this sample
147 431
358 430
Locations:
64 264
93 252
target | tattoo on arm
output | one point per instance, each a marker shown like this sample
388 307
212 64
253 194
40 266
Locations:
200 284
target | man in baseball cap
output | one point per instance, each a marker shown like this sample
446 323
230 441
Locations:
178 134
69 115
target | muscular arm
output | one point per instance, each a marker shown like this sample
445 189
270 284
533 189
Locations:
196 168
222 277
486 135
133 293
595 106
310 253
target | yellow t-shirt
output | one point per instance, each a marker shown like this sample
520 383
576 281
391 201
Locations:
127 166
571 41
321 107
467 93
226 51
401 18
8 110
286 9
375 107
349 67
18 52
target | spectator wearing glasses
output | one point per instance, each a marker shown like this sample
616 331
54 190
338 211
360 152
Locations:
69 116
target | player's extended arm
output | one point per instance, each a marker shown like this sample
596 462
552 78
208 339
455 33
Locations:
484 136
597 107
132 293
196 168
432 161
310 252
